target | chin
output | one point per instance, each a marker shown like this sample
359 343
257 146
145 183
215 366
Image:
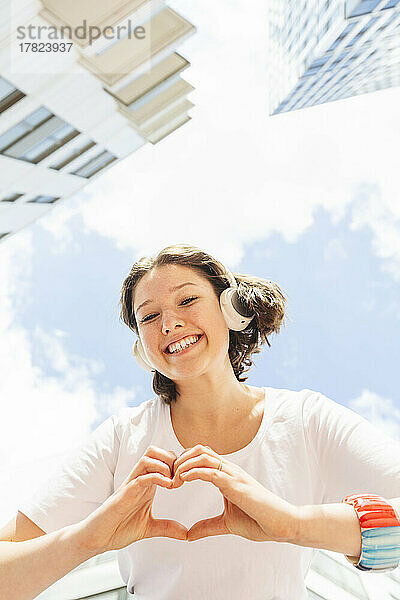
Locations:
189 372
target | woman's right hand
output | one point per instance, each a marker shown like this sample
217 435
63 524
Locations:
125 516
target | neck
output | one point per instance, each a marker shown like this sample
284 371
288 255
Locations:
213 400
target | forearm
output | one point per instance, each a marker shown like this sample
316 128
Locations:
27 568
331 527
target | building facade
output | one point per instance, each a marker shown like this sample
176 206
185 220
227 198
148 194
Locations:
331 577
82 85
325 50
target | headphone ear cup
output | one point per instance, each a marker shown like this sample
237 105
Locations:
140 356
230 305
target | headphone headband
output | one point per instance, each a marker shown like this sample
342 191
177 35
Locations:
229 276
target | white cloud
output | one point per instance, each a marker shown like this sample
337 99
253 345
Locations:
380 411
233 176
378 208
44 417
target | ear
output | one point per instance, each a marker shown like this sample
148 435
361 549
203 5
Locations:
140 356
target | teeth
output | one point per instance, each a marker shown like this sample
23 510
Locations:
182 344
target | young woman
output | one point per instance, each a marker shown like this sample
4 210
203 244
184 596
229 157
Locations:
213 488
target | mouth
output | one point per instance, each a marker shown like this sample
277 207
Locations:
183 345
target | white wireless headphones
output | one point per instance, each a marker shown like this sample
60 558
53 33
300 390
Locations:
236 316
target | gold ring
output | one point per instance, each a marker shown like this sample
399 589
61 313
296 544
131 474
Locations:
220 465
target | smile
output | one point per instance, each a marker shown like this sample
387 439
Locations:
183 344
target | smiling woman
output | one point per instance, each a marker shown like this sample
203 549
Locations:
201 281
210 460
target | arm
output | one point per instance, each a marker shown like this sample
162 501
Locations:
331 527
27 568
254 512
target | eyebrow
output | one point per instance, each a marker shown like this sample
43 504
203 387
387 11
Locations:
173 289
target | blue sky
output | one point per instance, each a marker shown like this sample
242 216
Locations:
309 199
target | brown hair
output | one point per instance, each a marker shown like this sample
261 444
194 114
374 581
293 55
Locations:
260 296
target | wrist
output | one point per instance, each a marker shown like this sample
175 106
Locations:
280 519
332 527
295 526
75 536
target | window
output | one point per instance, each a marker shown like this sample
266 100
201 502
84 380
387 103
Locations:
362 31
63 134
11 197
44 199
36 137
77 151
4 234
364 7
344 33
318 62
95 164
391 4
9 95
21 129
339 59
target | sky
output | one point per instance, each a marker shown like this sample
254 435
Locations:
308 199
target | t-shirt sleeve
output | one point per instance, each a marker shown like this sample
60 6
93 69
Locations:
80 485
351 455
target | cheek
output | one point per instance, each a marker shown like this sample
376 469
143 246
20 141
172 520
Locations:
148 337
218 331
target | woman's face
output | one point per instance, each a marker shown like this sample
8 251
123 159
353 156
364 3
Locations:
180 322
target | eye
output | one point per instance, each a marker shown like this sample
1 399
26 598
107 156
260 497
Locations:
184 302
148 318
190 299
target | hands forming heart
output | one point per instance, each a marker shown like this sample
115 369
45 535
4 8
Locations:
250 509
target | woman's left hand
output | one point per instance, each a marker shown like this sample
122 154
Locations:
250 509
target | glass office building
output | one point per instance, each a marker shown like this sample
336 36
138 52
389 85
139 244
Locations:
324 50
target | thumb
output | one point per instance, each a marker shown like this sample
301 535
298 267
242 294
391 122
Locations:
206 527
166 528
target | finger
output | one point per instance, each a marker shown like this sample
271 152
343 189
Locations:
166 528
152 453
220 479
152 479
191 453
153 465
207 527
167 456
202 460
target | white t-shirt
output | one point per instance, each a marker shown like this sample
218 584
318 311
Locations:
308 450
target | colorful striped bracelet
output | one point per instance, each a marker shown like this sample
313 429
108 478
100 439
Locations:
380 533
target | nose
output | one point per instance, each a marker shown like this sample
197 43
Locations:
170 322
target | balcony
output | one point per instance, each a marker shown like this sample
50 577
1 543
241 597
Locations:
95 13
162 33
